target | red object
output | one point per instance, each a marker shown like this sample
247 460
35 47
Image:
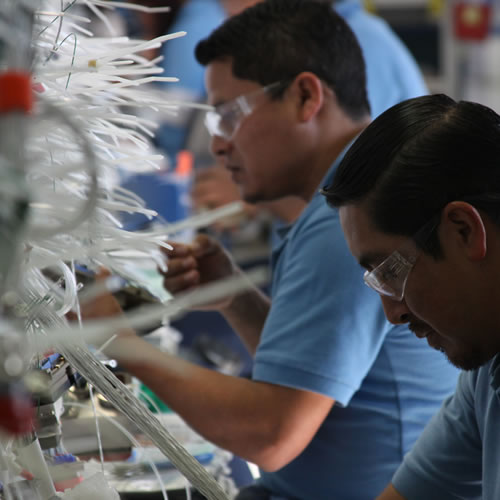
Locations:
67 483
16 93
185 162
38 87
17 414
472 21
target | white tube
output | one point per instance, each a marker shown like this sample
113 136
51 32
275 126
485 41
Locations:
130 437
32 459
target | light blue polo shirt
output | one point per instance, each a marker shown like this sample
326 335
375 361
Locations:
326 332
391 71
458 454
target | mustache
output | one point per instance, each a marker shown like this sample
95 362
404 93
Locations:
417 327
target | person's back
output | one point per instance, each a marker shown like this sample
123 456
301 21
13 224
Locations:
391 71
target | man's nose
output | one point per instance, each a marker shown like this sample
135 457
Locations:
397 312
219 146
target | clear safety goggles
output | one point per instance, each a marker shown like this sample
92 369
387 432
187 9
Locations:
224 119
389 278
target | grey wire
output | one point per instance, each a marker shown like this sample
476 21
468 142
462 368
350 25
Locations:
124 400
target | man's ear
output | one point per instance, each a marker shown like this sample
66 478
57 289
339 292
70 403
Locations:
463 226
308 92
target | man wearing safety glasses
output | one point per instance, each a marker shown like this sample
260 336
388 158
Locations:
337 394
419 202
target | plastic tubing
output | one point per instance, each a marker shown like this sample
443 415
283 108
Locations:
89 206
70 289
130 437
155 42
97 331
91 390
126 5
32 457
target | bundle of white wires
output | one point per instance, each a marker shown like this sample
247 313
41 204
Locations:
80 135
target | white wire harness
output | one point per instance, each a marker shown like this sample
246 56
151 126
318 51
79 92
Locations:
59 169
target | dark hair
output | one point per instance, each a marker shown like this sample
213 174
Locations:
276 40
418 156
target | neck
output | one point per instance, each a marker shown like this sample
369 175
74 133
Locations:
329 148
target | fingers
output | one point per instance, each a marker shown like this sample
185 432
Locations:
178 250
201 245
213 188
181 282
204 245
102 274
183 263
206 196
180 266
181 273
181 270
211 173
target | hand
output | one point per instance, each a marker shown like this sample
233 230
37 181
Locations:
204 261
214 188
104 306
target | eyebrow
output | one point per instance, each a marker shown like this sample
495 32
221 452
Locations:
371 259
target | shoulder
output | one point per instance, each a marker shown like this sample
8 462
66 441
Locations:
318 235
317 215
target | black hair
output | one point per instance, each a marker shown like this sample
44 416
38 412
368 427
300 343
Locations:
417 157
275 40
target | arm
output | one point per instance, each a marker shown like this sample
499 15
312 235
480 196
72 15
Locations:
390 493
246 315
264 423
446 462
205 261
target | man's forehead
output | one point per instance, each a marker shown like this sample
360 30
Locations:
368 245
222 85
355 222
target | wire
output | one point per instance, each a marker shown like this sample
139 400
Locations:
132 439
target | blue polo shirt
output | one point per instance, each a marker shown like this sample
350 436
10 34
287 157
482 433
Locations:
391 71
326 332
458 454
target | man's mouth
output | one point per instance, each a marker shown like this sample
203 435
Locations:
235 172
427 333
420 332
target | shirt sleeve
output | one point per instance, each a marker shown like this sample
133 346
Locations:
446 461
325 327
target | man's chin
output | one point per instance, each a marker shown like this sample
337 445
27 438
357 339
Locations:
468 361
251 198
